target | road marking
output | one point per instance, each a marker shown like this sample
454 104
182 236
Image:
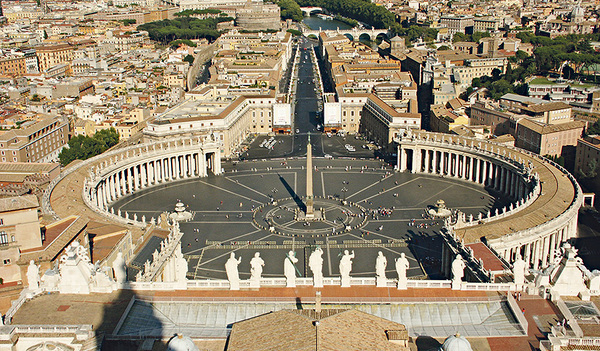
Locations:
227 191
245 186
383 192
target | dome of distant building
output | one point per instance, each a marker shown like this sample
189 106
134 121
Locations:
456 343
181 343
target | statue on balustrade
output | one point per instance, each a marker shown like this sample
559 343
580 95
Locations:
519 268
315 262
458 272
380 265
402 266
345 268
231 267
119 269
33 275
289 269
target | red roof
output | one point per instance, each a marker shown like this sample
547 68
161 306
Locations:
490 261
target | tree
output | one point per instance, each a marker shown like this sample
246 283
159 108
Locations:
593 129
83 147
189 59
129 21
290 10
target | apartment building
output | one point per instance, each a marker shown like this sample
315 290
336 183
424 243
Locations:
587 159
40 141
548 139
13 66
52 55
381 122
19 231
207 112
457 23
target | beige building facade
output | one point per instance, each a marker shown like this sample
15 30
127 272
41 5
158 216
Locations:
19 230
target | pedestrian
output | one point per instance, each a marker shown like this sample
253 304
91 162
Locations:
523 310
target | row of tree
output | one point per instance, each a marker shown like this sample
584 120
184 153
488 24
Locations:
475 37
551 53
82 147
185 27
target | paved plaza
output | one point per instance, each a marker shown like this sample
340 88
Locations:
384 212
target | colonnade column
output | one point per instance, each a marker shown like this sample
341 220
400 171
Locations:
427 161
471 165
442 163
402 154
484 178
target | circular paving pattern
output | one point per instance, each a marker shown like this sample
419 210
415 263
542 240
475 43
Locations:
335 216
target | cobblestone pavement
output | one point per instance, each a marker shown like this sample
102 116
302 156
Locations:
227 215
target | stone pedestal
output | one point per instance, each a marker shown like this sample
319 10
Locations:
402 284
456 285
381 282
255 283
234 285
345 282
318 282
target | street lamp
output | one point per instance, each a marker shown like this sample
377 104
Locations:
344 190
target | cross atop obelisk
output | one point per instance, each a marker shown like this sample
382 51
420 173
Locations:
310 211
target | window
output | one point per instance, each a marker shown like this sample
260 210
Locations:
3 238
6 261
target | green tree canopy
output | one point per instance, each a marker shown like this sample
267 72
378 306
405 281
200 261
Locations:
290 10
82 147
166 30
189 59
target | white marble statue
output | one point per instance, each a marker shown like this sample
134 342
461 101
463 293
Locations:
380 265
315 262
181 266
401 268
33 276
458 272
289 269
231 267
519 268
256 267
346 268
120 269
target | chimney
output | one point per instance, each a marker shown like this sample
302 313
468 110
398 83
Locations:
318 302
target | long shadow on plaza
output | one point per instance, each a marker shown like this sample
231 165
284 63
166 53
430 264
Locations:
293 194
427 250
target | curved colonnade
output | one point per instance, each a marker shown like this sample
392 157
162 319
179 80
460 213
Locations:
540 216
121 172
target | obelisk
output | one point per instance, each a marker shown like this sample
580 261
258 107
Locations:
310 211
